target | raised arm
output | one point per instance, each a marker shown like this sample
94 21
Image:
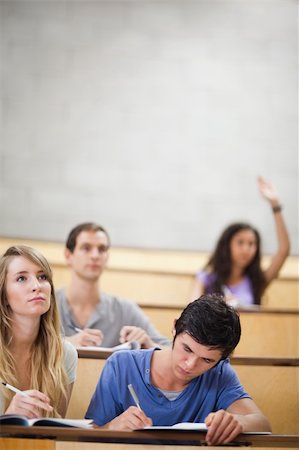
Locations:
268 191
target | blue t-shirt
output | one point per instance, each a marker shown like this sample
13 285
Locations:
216 389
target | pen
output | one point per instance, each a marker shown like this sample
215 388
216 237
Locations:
76 328
14 389
134 395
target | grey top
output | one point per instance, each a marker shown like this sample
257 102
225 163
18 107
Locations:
110 315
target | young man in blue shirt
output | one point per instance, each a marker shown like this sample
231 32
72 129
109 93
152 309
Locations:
191 382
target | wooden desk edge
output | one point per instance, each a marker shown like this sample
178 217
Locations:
148 436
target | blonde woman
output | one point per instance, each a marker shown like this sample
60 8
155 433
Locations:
33 357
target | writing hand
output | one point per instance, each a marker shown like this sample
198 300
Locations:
87 337
30 405
132 419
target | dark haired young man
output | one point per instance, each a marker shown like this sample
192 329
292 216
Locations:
103 319
191 382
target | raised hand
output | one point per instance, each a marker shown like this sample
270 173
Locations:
267 190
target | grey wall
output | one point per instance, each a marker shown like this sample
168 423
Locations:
151 117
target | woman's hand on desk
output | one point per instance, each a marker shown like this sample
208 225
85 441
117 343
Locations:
86 337
132 419
30 404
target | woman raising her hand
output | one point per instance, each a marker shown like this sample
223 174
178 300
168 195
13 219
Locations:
33 357
234 268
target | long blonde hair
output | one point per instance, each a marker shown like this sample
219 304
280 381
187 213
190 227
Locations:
47 373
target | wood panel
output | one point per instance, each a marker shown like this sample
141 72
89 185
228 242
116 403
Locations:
88 374
282 293
275 391
42 444
161 277
26 444
269 334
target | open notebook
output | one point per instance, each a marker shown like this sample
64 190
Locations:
180 426
133 345
190 426
14 419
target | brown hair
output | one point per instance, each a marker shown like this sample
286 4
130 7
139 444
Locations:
86 226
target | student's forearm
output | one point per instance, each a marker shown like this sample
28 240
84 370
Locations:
282 234
254 422
283 248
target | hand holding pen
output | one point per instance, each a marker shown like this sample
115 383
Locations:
30 403
86 337
133 418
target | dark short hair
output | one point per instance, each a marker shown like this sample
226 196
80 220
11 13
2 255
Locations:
211 322
86 226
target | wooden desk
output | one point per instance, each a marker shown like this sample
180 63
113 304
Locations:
54 438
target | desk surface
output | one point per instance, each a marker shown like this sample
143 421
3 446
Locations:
177 437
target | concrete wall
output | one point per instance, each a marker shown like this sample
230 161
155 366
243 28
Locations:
151 117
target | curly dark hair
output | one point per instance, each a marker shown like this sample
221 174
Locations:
220 262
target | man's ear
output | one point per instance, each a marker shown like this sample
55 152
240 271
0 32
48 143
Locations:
173 328
67 255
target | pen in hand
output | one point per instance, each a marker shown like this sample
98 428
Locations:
76 328
14 389
134 395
